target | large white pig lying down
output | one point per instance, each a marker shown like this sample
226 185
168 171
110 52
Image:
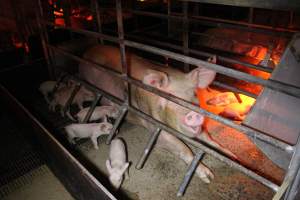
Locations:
100 112
62 95
92 131
166 79
47 87
117 163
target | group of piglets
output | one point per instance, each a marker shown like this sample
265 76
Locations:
117 163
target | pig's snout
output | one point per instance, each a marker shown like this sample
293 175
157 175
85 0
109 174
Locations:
193 119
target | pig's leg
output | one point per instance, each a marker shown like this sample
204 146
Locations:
178 148
94 140
70 136
52 105
206 138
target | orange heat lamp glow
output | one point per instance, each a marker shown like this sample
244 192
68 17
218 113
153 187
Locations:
59 14
89 18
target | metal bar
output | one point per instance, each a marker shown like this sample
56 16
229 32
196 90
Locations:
237 96
176 47
92 108
44 38
185 38
293 173
222 23
123 110
186 139
65 166
69 102
247 130
233 89
148 149
189 174
122 48
98 18
278 86
169 13
250 16
202 53
58 82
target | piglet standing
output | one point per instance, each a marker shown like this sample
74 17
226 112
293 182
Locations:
117 163
92 131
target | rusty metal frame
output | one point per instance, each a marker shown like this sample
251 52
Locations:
186 59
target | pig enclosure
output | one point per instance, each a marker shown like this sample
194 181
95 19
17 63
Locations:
171 36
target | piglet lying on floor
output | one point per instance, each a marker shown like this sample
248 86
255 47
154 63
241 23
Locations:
62 95
117 163
47 87
100 112
92 131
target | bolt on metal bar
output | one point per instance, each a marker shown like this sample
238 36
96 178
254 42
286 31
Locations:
148 149
181 136
70 100
190 172
255 134
124 110
278 86
92 108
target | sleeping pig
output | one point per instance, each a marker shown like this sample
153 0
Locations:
47 87
100 112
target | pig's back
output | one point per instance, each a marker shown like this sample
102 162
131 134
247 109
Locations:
117 152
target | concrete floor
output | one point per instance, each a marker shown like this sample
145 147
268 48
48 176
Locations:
163 173
39 184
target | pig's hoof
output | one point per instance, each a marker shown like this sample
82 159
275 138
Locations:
204 173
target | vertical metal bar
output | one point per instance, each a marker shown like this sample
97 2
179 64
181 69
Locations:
169 19
291 19
294 174
237 96
122 49
58 82
190 172
98 18
250 16
92 108
44 39
124 110
70 100
148 148
185 34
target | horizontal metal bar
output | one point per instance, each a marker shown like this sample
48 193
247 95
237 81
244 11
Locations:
189 174
201 53
179 135
148 148
219 23
255 134
278 86
268 4
234 89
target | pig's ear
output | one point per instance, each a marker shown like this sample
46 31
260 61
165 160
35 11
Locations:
124 168
201 76
156 79
108 166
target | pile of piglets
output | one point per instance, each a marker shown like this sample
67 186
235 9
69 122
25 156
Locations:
117 163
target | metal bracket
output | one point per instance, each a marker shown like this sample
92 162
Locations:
148 149
124 110
73 94
92 108
189 173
